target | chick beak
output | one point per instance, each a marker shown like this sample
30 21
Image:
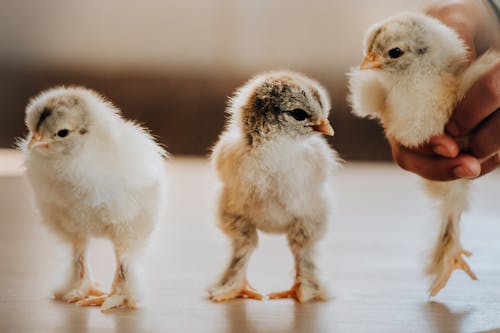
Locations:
323 126
371 61
36 141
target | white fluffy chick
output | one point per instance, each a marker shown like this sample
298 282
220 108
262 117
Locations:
413 75
275 170
94 174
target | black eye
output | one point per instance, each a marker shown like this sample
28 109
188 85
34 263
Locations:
62 133
395 53
299 114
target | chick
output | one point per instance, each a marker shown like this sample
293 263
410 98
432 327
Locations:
94 174
413 75
275 171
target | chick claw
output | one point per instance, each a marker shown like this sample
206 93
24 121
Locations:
245 292
457 262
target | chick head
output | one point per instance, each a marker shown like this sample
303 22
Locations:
58 120
282 103
407 41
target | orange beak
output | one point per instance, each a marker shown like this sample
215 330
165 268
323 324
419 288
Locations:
371 61
37 141
323 126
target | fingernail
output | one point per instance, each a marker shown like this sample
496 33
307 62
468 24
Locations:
452 128
463 172
442 150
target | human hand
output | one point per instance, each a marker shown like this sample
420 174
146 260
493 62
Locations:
440 159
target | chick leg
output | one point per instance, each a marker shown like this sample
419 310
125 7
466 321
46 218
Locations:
448 256
79 284
306 286
233 283
448 252
124 291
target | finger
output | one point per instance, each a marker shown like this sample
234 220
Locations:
435 167
485 141
443 145
490 164
482 99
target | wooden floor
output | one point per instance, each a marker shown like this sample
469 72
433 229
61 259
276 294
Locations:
371 259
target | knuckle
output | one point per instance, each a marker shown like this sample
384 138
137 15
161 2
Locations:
495 159
478 150
400 160
485 140
491 86
490 164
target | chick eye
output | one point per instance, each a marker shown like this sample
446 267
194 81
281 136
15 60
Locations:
395 53
62 133
299 114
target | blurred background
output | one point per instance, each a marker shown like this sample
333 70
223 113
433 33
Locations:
171 64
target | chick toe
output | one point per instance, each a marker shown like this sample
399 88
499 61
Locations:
290 293
96 292
301 292
119 301
70 297
455 261
93 301
224 293
78 294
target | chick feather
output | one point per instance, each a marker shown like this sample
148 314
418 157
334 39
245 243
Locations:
94 174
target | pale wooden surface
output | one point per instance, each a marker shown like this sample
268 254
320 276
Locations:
371 258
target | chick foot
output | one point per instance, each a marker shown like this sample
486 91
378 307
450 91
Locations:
290 293
301 292
450 263
78 294
226 293
109 302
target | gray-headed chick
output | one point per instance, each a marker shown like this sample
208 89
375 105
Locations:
276 172
414 74
94 174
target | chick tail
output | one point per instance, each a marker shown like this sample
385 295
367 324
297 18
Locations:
447 254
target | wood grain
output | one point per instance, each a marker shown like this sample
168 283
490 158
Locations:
371 258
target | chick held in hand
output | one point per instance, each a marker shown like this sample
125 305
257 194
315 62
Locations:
94 174
413 76
275 170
